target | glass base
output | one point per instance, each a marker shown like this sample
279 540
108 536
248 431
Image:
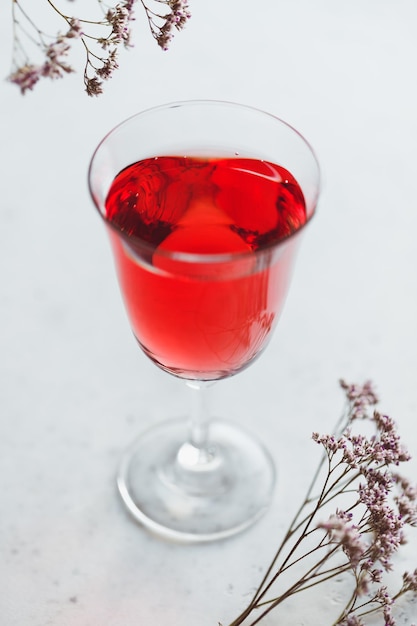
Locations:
184 493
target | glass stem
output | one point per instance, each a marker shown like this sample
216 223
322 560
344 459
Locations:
199 417
197 453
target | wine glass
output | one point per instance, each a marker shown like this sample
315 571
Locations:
204 203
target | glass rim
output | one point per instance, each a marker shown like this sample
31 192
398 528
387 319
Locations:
194 258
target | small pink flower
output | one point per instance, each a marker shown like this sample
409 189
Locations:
26 77
342 531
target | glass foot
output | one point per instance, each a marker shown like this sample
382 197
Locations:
185 493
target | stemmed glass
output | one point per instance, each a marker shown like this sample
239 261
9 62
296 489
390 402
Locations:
204 203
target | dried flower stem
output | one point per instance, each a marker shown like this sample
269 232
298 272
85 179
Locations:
101 40
360 538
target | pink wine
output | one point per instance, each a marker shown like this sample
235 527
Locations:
208 318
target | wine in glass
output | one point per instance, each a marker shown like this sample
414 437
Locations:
204 203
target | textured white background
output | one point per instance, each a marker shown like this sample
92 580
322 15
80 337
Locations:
74 388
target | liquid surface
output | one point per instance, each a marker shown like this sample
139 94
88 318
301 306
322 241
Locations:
202 321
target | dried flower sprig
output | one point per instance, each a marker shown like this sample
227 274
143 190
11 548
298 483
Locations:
370 505
163 26
101 39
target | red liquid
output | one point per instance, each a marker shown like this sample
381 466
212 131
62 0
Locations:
203 320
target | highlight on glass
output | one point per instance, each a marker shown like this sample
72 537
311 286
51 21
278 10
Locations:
204 203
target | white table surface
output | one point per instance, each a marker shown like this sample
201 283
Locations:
74 388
